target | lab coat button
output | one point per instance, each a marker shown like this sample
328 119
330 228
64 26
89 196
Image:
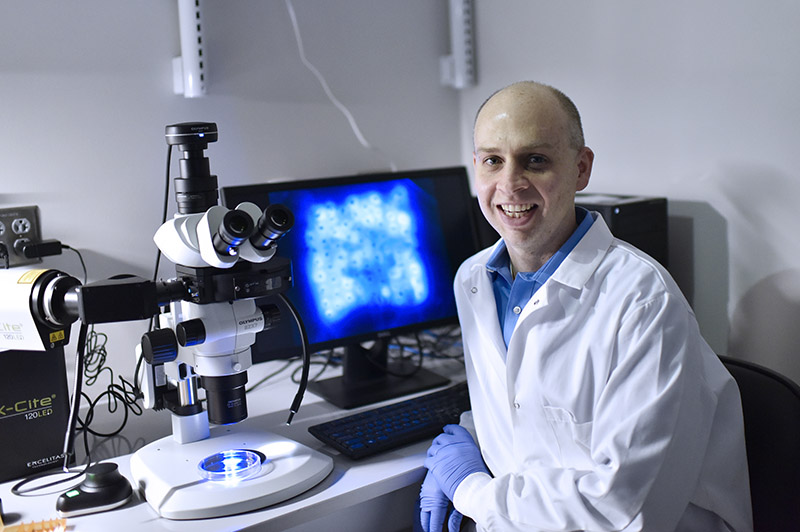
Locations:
474 290
517 310
516 405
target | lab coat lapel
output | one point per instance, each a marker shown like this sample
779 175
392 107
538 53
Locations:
516 346
576 270
579 266
484 311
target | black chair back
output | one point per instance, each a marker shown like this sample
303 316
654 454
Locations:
771 407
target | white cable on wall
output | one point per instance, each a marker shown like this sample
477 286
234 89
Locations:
334 100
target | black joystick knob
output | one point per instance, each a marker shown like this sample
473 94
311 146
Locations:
100 476
191 332
104 488
159 346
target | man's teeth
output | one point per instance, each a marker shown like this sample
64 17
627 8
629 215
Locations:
516 211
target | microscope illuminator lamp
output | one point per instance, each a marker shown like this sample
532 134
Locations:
36 308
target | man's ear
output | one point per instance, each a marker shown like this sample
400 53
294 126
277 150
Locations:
585 161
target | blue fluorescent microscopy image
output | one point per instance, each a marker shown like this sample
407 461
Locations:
363 250
366 257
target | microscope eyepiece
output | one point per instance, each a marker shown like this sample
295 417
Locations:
275 222
235 228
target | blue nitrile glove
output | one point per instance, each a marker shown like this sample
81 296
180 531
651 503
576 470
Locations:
452 457
433 504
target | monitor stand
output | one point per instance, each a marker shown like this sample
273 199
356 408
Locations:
364 382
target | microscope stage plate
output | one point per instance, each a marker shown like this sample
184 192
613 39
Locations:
166 472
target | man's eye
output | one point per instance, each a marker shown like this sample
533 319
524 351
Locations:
491 161
536 160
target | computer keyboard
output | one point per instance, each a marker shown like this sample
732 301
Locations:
388 427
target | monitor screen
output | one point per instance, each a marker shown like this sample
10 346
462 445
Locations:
373 256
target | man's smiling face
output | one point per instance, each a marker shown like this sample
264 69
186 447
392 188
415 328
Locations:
527 172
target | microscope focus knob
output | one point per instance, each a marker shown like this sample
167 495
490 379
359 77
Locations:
272 315
159 346
191 332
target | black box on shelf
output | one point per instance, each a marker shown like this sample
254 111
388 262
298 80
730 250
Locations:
638 220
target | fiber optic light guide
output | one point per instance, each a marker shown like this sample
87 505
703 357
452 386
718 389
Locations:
230 466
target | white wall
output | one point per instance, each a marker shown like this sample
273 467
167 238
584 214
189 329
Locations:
86 90
693 100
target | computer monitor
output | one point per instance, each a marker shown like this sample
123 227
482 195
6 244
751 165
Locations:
373 256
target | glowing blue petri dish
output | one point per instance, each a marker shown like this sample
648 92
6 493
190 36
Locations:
230 466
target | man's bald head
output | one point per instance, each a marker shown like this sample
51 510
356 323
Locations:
535 90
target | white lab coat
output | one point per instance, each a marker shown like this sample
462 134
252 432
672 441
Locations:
608 411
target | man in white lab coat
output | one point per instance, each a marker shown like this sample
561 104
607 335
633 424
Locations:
596 403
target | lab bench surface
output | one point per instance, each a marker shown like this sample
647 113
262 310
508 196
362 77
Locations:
376 493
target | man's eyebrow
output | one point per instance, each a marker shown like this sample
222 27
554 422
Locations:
528 148
485 150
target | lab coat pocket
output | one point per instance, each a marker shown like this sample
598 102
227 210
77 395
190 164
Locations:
574 438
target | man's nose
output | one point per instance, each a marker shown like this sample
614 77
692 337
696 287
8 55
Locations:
513 179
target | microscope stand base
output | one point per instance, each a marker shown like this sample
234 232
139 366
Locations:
167 473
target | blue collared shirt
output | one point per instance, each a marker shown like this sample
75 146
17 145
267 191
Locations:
512 295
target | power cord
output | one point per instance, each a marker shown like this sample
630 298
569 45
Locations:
80 258
91 363
122 394
402 348
444 343
92 359
165 209
69 434
163 214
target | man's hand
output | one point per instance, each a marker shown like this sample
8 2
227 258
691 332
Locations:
433 504
452 457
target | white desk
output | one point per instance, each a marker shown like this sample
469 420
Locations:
376 493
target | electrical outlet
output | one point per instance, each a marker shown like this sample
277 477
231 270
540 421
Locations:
18 226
